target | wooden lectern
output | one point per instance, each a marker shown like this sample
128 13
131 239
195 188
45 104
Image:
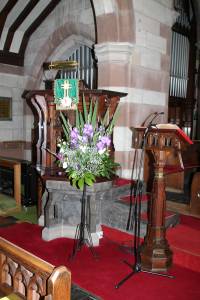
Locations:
159 140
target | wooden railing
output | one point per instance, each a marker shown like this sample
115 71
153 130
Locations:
30 277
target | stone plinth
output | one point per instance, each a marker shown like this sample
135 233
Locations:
62 210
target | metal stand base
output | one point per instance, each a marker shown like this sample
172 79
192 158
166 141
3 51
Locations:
137 269
82 230
80 240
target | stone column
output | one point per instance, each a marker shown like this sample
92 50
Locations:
137 62
114 73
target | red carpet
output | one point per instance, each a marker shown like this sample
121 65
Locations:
185 242
126 199
122 181
100 276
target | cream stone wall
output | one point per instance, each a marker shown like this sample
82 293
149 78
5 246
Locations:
70 24
12 86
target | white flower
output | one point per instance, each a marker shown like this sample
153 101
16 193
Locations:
102 151
65 165
83 148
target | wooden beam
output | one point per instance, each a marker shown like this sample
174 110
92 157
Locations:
26 11
49 8
4 13
11 58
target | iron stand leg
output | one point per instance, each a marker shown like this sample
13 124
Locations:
83 234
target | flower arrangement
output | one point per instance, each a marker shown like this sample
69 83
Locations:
84 150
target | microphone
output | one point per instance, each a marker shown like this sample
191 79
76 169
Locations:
148 117
155 116
150 125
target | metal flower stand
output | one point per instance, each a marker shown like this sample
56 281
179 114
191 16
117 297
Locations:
83 234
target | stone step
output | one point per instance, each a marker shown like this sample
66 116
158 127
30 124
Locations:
119 190
117 211
171 218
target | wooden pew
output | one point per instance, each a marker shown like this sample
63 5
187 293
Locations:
16 166
191 162
29 277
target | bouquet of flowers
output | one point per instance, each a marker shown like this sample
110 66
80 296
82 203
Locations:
84 150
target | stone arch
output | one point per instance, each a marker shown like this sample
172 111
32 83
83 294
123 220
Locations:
63 38
108 14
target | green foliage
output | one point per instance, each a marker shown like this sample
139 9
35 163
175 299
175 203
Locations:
84 152
94 116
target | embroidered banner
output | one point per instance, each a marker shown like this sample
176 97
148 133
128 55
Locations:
66 93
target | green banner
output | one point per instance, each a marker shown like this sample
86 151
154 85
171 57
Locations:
66 93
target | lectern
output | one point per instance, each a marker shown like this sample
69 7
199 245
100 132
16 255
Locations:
159 140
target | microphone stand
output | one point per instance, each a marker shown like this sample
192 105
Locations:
133 191
129 225
135 217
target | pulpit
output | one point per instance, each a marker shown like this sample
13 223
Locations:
49 128
159 141
60 210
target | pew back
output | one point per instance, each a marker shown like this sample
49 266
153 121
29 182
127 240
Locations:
30 277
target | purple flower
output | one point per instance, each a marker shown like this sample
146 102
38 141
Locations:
60 156
74 133
74 144
103 143
105 140
88 130
100 146
74 137
85 139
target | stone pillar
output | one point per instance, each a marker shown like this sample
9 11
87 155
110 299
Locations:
137 63
114 73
